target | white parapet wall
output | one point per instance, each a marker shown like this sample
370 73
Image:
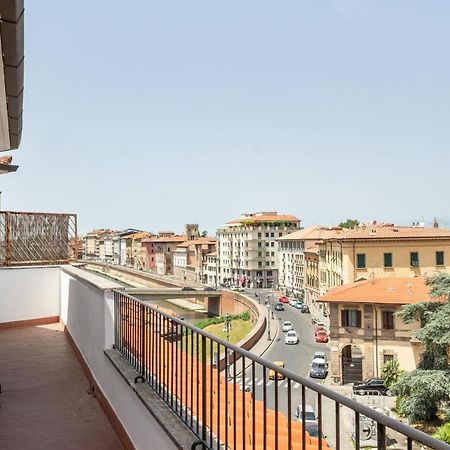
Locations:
86 309
28 293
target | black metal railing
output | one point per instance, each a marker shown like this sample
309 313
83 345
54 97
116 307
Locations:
233 399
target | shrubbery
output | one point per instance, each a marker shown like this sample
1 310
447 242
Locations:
221 319
443 433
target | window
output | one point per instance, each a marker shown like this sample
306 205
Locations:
259 235
267 244
259 254
414 257
388 320
272 234
361 261
351 318
267 263
269 273
272 244
387 357
259 274
272 253
259 263
439 258
388 260
280 234
267 234
267 253
259 244
272 263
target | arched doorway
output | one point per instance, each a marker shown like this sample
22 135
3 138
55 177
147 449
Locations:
351 359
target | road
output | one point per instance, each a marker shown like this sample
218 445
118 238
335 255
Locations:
297 358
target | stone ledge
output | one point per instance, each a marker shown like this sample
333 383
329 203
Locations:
176 430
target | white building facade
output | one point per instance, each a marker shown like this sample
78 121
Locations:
247 249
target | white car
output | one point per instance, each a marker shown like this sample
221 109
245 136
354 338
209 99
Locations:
287 326
292 301
291 337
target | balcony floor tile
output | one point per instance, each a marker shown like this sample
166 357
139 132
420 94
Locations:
45 401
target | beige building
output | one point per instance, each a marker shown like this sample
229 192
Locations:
189 256
379 251
247 251
292 249
210 269
364 331
312 274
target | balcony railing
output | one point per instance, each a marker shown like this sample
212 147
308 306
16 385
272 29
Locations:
233 399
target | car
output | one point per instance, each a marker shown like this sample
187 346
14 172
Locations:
304 309
291 337
209 288
318 368
320 355
283 300
320 324
279 307
237 289
322 337
273 374
188 288
298 305
371 386
314 320
292 301
318 328
310 414
287 326
313 429
247 388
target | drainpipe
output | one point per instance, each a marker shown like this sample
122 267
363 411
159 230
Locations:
376 340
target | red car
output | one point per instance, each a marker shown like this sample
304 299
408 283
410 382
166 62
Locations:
321 337
318 329
283 300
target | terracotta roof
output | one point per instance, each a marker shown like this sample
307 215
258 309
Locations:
316 232
157 239
398 291
6 160
199 241
265 217
394 232
314 249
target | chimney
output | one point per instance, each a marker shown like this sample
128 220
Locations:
435 223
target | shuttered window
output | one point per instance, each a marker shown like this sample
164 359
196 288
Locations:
351 318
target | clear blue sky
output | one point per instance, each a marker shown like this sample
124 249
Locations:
151 114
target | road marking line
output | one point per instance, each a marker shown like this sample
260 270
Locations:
260 382
296 385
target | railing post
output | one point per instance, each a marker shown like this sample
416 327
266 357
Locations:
204 388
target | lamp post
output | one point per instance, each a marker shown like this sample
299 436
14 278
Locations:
227 326
271 304
268 322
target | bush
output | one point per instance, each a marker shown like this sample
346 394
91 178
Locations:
221 319
391 372
443 433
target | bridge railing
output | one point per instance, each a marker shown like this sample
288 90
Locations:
263 407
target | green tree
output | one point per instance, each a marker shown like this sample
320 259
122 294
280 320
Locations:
391 372
204 233
349 223
427 389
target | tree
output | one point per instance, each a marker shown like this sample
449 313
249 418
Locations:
391 372
427 389
204 233
349 223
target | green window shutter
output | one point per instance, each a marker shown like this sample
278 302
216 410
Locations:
361 261
439 258
388 260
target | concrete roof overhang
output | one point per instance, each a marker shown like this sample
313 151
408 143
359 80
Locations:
11 73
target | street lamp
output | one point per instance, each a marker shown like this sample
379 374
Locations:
227 326
268 322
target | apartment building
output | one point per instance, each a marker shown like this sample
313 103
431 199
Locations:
93 244
312 291
247 248
189 256
292 249
380 251
160 249
364 330
210 269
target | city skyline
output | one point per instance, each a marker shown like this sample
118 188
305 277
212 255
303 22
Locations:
307 109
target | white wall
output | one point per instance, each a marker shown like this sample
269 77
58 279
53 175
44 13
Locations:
29 293
86 311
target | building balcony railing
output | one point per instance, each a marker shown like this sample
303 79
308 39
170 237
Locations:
231 398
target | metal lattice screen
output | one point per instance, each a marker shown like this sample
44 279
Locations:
35 238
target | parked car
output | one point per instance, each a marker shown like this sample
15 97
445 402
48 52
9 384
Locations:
318 368
298 305
188 288
287 326
292 301
273 374
304 308
279 307
314 320
371 386
283 300
320 324
291 337
320 354
310 414
322 337
248 388
209 288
